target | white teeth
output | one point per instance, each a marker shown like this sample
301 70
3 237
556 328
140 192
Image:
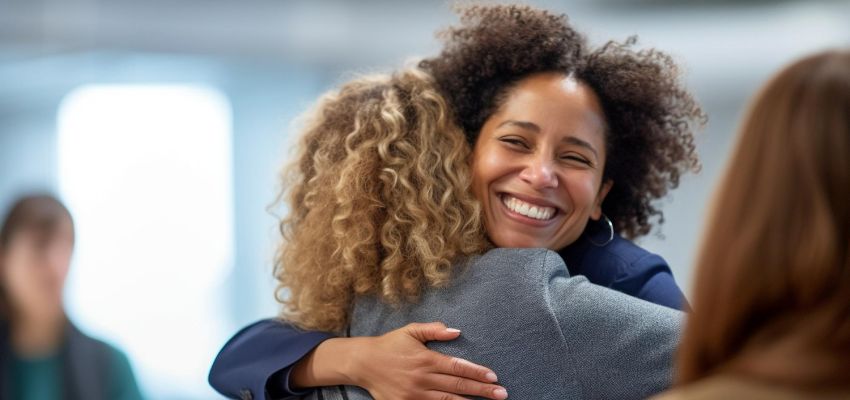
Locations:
518 206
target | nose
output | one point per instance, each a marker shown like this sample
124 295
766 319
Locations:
539 172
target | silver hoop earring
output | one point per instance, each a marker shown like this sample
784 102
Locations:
610 236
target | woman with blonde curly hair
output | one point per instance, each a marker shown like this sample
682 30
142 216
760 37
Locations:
554 125
379 201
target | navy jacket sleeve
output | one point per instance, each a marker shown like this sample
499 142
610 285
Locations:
649 278
258 358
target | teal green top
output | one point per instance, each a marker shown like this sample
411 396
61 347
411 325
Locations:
37 378
41 378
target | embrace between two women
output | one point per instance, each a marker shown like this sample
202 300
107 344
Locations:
412 193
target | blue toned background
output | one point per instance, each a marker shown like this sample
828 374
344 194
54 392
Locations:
163 125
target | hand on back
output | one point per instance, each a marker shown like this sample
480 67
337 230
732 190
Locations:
398 366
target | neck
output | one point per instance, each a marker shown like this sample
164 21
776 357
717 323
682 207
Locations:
39 334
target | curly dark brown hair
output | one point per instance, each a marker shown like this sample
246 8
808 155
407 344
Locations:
650 116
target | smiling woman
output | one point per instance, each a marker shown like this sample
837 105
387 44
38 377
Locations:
538 164
648 117
573 145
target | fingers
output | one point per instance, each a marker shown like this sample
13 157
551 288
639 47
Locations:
467 387
443 396
450 377
431 331
464 369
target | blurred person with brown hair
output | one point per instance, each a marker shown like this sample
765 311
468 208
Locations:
42 354
771 315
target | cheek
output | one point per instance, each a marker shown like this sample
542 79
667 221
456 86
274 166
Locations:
19 278
485 170
582 187
480 172
60 261
489 165
61 272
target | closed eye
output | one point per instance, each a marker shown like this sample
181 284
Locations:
515 142
576 158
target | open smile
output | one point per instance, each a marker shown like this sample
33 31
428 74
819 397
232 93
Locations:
528 211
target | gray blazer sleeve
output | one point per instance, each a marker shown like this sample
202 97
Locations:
621 347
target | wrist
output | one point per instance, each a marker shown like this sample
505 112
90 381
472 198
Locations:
333 362
339 357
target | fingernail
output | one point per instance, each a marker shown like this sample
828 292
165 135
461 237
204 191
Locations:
452 330
491 377
500 393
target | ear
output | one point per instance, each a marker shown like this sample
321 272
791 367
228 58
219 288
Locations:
600 197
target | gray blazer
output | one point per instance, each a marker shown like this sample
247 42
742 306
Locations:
546 335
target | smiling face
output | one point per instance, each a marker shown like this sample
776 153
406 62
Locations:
538 163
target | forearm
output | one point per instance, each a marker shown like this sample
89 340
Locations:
257 356
329 364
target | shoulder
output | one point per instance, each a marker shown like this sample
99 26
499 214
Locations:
513 265
624 266
618 260
88 346
97 357
647 276
635 261
508 255
626 253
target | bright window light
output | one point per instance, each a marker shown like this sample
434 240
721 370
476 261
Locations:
146 171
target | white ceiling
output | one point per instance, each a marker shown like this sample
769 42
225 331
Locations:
729 46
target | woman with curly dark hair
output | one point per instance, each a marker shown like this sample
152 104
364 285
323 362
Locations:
572 146
587 138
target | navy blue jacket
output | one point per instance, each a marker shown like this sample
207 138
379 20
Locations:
256 362
625 267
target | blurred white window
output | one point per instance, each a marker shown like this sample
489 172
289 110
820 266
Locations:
147 172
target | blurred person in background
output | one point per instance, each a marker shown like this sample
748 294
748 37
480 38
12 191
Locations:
42 354
771 315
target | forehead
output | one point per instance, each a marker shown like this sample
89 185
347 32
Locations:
59 230
556 102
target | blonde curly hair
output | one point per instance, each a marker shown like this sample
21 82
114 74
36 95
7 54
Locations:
379 200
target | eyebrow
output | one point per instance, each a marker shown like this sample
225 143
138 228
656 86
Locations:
531 126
